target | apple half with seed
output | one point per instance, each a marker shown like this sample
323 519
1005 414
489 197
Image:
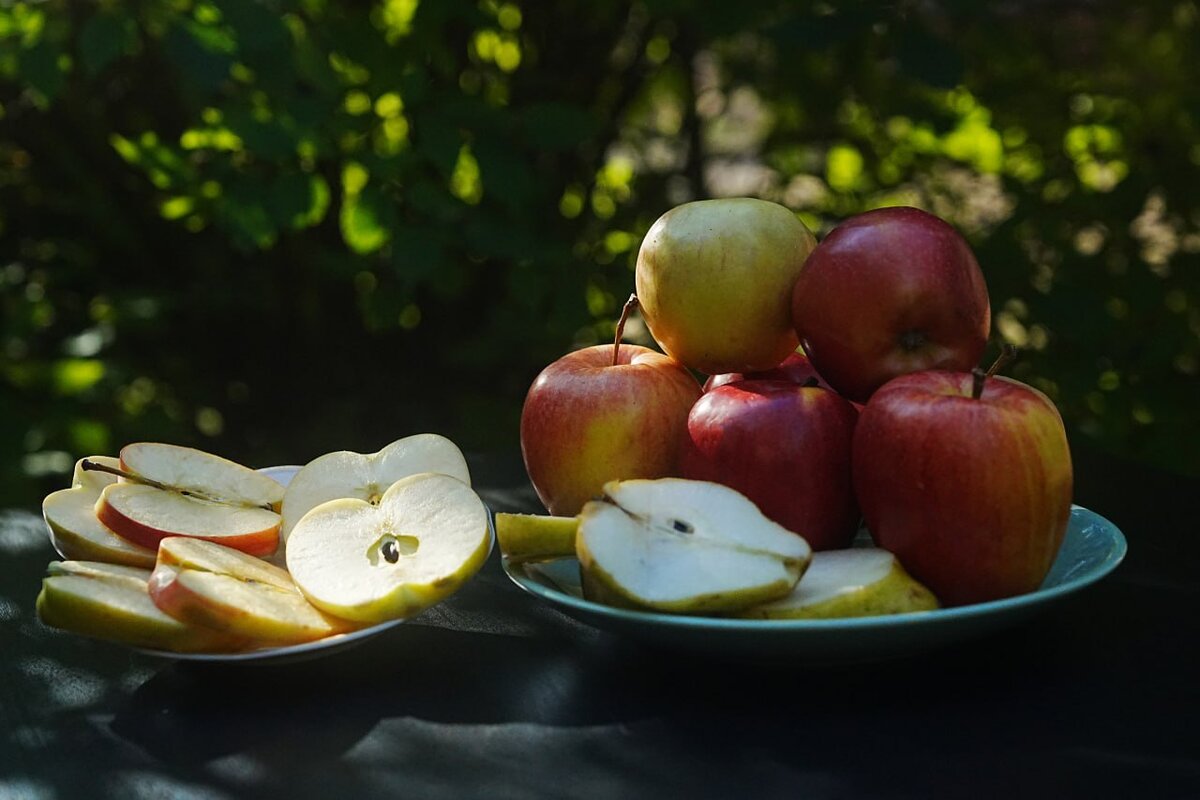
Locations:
688 547
75 530
367 477
428 534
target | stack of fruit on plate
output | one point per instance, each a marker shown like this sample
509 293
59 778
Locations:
171 548
843 385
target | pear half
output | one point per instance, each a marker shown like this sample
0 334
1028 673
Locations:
528 537
75 530
371 563
689 547
367 477
861 582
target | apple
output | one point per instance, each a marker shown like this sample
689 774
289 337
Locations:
888 292
858 582
686 547
428 534
200 474
967 479
218 587
603 413
528 537
783 445
112 602
77 533
366 477
796 368
714 279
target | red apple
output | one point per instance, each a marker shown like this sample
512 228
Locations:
796 368
786 446
587 421
888 292
970 489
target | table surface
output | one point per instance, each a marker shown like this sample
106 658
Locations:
493 694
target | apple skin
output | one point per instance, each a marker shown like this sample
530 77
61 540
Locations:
972 495
713 280
888 292
786 447
586 422
796 368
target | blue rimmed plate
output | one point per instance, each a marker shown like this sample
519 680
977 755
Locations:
1091 549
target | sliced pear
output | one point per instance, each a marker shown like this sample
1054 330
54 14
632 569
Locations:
428 534
525 537
861 582
686 547
112 602
202 474
77 533
366 477
216 586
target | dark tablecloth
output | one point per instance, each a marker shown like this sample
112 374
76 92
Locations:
495 695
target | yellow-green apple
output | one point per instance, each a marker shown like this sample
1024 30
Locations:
218 587
686 547
785 446
590 418
714 279
77 533
366 477
891 291
967 479
858 582
428 534
528 537
112 602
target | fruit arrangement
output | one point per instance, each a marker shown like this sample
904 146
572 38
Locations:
842 388
171 548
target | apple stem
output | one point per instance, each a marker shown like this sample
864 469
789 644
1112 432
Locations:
1007 353
91 466
630 305
978 377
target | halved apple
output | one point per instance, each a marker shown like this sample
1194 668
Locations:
524 537
426 537
366 477
686 547
860 582
112 602
201 474
216 586
77 533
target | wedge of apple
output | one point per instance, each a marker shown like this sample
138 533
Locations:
201 474
688 547
366 477
370 563
215 586
77 533
527 537
112 602
859 582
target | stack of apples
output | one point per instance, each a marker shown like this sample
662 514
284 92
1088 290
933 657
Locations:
167 547
842 387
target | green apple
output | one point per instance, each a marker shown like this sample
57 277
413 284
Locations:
428 534
859 582
688 547
526 537
714 280
75 530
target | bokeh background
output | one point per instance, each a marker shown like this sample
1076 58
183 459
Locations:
276 228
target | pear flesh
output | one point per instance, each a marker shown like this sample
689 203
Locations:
860 582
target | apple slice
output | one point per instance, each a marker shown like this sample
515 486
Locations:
218 587
686 547
201 474
525 537
366 477
861 582
112 602
147 515
77 533
354 560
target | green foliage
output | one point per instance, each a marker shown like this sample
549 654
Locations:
275 228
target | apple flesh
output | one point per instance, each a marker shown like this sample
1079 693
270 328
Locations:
200 473
75 530
784 446
888 292
713 280
972 494
586 422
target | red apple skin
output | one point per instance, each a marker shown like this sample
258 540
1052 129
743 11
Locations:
586 422
888 292
786 447
259 543
796 368
972 495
